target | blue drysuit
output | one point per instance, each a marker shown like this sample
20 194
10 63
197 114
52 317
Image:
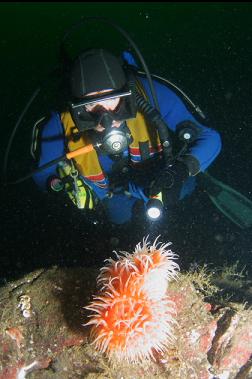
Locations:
119 207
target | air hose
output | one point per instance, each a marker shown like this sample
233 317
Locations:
155 118
70 155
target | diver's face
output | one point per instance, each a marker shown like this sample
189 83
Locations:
108 105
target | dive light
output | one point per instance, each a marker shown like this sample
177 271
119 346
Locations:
154 207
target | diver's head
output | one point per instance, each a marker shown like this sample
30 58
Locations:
103 97
96 70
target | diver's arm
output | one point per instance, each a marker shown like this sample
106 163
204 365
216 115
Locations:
52 146
173 110
206 146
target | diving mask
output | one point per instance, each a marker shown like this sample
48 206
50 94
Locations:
112 140
85 120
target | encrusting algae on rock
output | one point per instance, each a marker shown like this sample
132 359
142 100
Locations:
132 315
203 342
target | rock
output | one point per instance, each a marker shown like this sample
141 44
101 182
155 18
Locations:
232 345
212 340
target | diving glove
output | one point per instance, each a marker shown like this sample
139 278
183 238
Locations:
169 181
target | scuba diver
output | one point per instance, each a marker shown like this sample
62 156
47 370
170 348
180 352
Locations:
129 154
125 141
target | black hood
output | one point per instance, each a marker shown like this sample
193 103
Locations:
96 70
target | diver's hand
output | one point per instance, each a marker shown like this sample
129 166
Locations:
169 181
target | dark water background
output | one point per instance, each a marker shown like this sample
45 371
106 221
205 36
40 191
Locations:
204 48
